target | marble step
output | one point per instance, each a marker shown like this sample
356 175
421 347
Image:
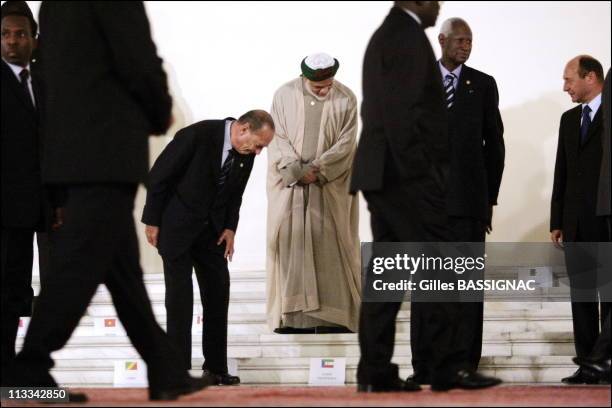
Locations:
527 344
548 369
495 321
240 281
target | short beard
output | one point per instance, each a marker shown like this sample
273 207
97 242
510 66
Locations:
317 97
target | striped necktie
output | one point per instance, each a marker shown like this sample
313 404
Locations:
449 89
226 168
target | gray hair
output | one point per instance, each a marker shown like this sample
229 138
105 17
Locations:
448 25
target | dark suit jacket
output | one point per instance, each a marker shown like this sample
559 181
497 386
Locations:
477 149
574 197
105 91
182 191
605 178
404 119
22 192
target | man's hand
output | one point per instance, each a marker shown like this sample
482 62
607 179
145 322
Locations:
228 237
556 236
489 228
152 232
58 219
310 176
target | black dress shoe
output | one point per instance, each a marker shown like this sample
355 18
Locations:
191 385
220 379
293 330
419 378
467 380
398 385
581 377
599 369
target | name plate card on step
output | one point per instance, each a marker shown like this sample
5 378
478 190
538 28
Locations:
108 326
327 371
232 366
130 373
24 322
196 324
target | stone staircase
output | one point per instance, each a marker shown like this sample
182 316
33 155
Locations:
523 342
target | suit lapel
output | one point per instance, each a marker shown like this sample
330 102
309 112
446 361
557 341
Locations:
573 144
15 86
464 87
217 156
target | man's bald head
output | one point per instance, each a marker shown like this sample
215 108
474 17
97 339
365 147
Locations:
455 40
583 78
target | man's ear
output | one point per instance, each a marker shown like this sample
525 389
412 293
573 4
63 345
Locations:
441 39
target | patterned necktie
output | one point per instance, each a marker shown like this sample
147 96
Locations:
586 123
226 168
449 89
24 75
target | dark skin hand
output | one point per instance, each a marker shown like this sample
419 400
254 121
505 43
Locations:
58 219
310 176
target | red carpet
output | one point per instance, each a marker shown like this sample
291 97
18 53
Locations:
508 395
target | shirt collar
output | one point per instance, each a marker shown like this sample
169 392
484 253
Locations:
413 15
445 72
227 142
594 104
17 69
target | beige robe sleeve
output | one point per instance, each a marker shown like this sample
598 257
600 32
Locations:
336 161
282 153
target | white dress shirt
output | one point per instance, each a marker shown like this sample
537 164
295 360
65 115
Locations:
17 70
227 143
413 15
594 105
445 72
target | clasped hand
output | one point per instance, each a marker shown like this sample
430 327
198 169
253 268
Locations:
310 176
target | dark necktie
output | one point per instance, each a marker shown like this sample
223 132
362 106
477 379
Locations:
24 75
586 123
449 89
226 168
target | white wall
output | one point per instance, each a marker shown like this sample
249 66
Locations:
224 58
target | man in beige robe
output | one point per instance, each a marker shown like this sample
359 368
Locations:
313 264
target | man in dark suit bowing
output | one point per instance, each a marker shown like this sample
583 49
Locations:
400 166
477 153
191 215
105 93
574 200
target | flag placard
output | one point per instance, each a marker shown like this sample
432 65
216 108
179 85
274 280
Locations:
130 373
108 326
24 323
196 325
327 371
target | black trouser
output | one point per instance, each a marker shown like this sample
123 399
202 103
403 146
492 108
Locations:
587 312
97 244
42 241
467 229
601 349
17 293
414 213
214 282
